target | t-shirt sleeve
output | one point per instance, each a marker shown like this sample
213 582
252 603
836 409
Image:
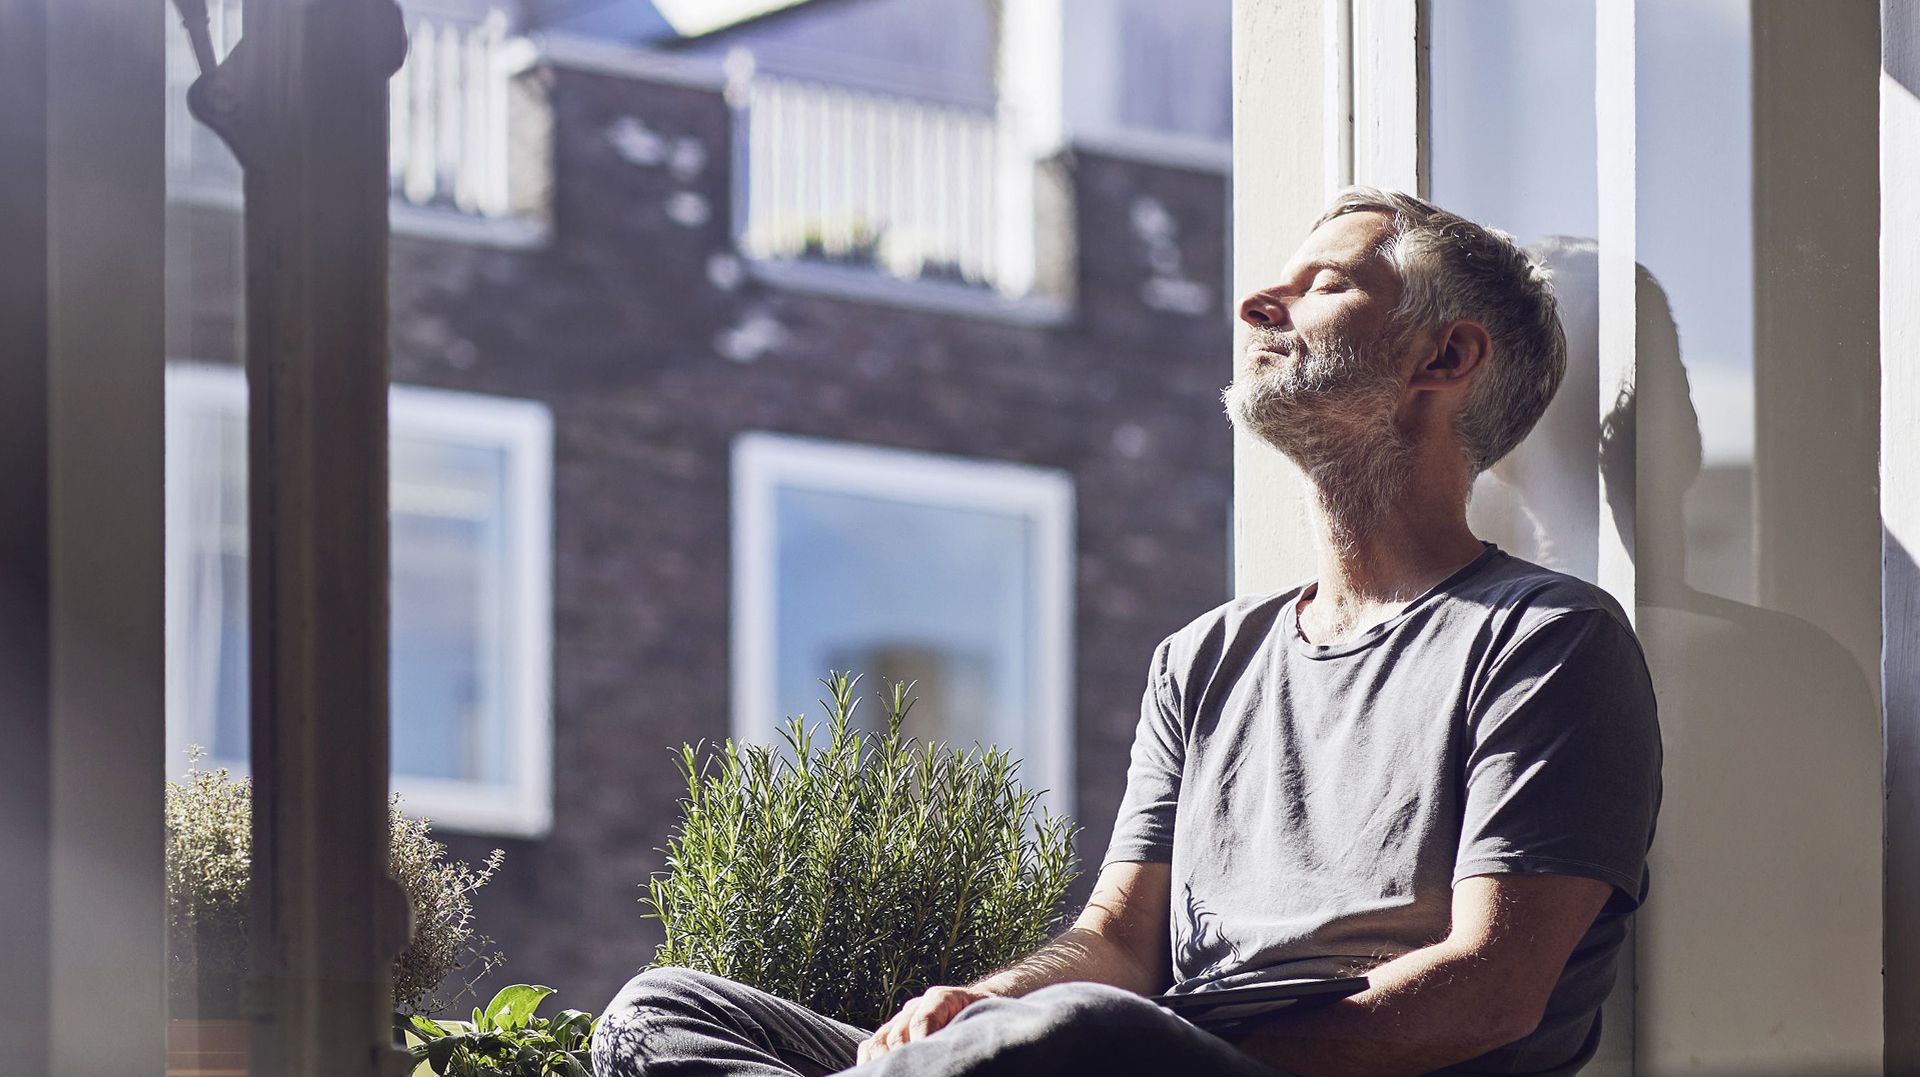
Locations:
1563 759
1144 829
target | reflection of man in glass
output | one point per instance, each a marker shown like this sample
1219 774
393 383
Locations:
1435 762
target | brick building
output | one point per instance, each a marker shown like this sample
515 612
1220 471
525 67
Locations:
611 348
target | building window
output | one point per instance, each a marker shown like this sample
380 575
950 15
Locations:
471 494
903 565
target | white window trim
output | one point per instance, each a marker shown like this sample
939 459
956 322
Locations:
764 462
525 430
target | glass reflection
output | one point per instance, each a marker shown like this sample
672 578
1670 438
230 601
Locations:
1736 466
1513 147
1768 711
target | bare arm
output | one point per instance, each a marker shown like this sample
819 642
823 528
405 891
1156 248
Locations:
1120 938
1483 986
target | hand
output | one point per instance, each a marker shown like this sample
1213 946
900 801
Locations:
923 1015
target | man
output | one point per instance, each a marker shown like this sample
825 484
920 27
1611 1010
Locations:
1435 763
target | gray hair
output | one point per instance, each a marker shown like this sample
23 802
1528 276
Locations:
1451 268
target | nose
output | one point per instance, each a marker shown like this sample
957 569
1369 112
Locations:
1262 309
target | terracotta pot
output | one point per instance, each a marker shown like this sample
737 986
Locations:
207 1047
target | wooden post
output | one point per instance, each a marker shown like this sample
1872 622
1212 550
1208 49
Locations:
303 101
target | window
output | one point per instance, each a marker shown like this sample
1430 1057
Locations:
1526 162
904 565
471 595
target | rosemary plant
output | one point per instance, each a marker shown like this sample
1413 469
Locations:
853 874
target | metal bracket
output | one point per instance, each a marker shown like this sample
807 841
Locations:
218 98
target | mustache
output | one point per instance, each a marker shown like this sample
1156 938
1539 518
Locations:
1284 341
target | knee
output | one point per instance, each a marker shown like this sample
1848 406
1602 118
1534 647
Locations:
643 1019
670 989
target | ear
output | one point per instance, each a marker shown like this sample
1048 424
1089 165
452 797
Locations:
1459 349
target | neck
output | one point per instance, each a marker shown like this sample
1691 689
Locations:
1381 555
1391 557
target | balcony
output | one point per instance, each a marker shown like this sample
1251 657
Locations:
466 161
892 198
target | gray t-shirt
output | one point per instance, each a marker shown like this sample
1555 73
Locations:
1318 803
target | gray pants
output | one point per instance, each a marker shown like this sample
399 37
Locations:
680 1023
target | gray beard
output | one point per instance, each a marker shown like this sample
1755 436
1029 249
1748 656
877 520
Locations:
1330 411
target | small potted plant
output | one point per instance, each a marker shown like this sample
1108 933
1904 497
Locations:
852 874
504 1039
209 861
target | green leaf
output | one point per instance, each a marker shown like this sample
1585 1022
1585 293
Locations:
511 1008
425 1028
489 1042
440 1052
572 1023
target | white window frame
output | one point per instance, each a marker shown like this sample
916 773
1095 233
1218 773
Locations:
523 429
764 463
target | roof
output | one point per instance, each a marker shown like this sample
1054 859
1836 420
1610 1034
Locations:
652 22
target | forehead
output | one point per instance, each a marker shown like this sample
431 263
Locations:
1350 241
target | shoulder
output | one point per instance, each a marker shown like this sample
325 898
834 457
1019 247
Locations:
1225 636
1522 600
1551 637
1514 583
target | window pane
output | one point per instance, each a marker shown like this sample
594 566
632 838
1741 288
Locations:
898 590
1512 124
1512 146
467 675
449 717
1695 100
1746 477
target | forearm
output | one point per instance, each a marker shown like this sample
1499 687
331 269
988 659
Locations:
1427 1009
1074 955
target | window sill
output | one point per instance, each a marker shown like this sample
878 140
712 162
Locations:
934 296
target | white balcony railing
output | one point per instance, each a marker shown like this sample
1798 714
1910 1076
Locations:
908 188
449 111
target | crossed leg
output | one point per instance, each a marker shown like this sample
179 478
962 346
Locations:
680 1023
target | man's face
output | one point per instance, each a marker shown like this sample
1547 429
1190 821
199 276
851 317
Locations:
1321 373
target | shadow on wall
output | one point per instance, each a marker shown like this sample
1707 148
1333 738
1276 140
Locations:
1766 718
1902 688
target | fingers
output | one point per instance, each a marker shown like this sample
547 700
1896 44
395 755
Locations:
882 1039
922 1016
932 1015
